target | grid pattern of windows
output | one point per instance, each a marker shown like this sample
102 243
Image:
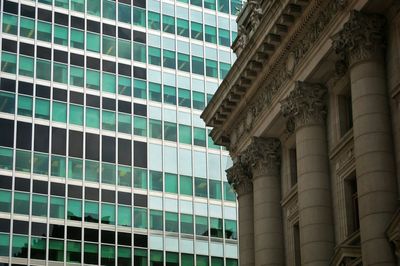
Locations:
104 159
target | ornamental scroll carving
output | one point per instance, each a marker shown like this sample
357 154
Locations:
255 15
263 154
239 177
298 49
361 38
305 104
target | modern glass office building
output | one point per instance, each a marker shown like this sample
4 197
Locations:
104 159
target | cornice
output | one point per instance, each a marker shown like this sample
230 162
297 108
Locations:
307 32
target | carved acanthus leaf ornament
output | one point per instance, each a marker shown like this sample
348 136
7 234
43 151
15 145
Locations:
239 177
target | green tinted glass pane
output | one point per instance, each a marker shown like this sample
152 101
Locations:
56 250
76 114
201 260
108 83
223 37
92 117
199 136
124 49
124 123
186 185
187 259
211 68
42 108
231 262
182 27
210 34
43 69
78 5
198 100
172 259
230 229
91 211
216 227
196 2
197 31
9 63
229 194
124 216
93 42
154 20
21 203
107 255
5 203
155 92
184 98
124 85
38 248
6 158
7 102
60 35
223 6
62 3
73 251
156 220
156 257
185 134
210 4
170 131
124 256
197 65
168 24
91 253
169 59
10 24
140 90
76 39
140 218
60 73
141 257
59 112
155 130
200 187
108 173
74 209
124 13
215 189
171 183
4 244
171 222
236 6
108 120
107 213
124 175
19 246
139 16
27 27
25 105
58 166
93 7
183 62
201 226
154 56
26 66
217 261
223 69
211 143
156 181
92 79
109 45
140 178
39 205
75 168
44 31
169 94
57 207
41 163
109 9
92 171
139 52
76 76
23 161
187 224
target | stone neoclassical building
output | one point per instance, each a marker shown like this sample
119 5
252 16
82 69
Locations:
310 113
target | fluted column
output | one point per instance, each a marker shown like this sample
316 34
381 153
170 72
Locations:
306 106
263 157
240 179
361 42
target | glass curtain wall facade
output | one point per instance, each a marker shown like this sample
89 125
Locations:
104 159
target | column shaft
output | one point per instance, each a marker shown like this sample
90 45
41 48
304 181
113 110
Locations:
246 230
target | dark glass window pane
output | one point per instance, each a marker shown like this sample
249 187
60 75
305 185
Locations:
140 109
5 225
76 144
74 191
108 196
38 229
61 18
7 133
91 193
108 150
24 135
57 189
56 231
108 104
92 146
93 26
124 239
7 85
124 198
107 237
74 233
58 141
25 88
60 95
5 182
22 184
20 227
124 151
41 138
124 107
40 187
26 49
140 240
91 235
28 11
140 200
140 154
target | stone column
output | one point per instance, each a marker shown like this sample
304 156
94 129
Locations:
361 43
306 107
263 157
240 179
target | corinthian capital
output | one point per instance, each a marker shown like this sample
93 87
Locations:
361 38
263 155
239 178
305 105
